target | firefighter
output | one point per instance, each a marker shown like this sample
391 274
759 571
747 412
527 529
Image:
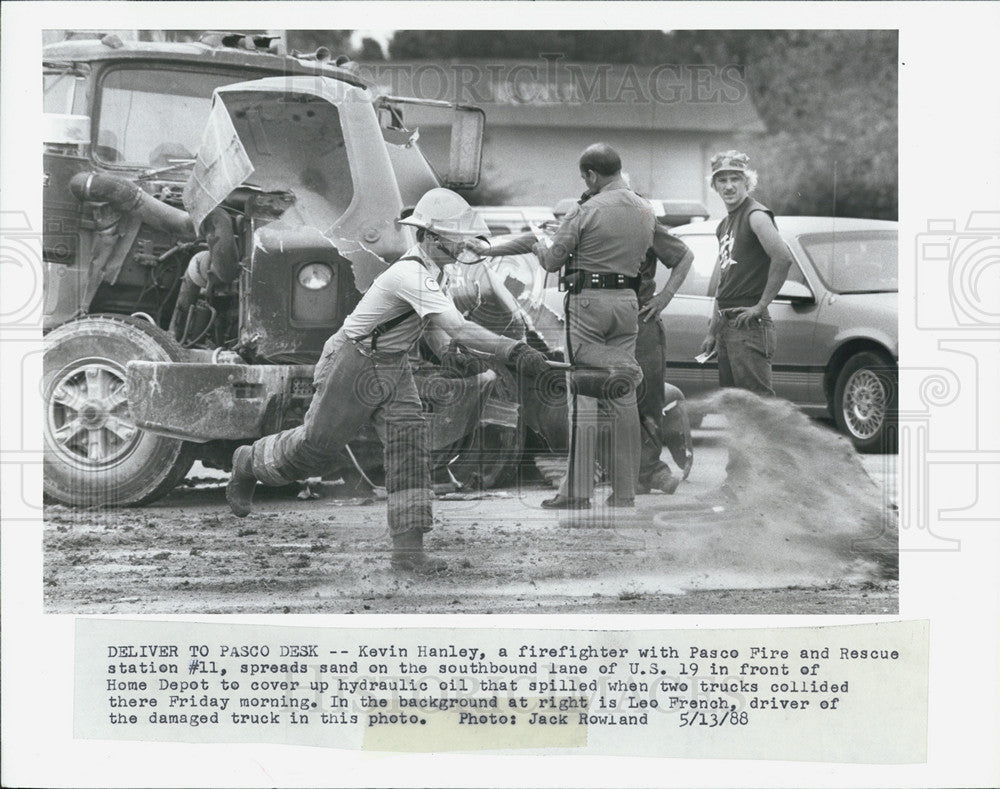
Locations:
364 374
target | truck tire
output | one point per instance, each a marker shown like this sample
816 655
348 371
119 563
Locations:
94 453
865 402
489 455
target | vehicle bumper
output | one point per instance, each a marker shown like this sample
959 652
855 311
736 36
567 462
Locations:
202 402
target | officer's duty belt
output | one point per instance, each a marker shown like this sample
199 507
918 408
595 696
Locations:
576 280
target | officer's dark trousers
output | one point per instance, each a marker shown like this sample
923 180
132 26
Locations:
352 388
602 326
650 350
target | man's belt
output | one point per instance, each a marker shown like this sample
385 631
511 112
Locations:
576 280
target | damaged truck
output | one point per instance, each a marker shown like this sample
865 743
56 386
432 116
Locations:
213 211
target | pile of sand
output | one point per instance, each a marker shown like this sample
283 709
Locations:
800 508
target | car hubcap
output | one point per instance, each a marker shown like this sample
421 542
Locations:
88 420
864 403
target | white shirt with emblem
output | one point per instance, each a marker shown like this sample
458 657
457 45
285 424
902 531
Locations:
405 285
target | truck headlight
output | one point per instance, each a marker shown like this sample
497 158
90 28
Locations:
315 276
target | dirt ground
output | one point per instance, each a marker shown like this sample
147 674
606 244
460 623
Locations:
683 554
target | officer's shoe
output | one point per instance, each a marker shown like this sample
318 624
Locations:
408 554
239 491
616 501
560 502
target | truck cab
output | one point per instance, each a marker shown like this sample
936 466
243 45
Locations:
212 212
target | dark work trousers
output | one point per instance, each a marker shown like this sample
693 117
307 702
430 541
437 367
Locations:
353 387
602 327
650 353
745 363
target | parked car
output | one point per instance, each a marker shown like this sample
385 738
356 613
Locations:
513 219
835 316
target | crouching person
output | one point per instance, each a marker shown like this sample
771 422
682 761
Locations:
364 375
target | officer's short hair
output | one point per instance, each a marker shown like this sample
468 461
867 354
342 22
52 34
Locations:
602 159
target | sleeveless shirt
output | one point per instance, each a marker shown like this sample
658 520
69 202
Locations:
742 261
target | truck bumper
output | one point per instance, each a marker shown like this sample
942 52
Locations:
202 402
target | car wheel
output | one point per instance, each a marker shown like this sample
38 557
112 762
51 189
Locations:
94 453
865 402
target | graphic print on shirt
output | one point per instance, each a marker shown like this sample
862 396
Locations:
726 250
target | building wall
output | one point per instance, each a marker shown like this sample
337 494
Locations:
538 165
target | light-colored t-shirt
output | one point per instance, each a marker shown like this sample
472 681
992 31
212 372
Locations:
405 285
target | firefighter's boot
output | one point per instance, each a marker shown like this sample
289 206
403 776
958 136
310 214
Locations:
239 491
408 554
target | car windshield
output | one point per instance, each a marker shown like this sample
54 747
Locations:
855 261
155 118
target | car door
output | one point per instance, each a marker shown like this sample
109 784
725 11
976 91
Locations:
686 317
795 367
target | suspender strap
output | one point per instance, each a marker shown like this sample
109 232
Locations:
392 323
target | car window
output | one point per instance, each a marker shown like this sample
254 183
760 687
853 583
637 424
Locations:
795 274
856 261
706 250
155 117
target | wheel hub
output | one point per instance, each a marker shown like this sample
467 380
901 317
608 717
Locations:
864 403
93 415
88 422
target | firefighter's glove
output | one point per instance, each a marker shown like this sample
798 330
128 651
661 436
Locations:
462 365
528 362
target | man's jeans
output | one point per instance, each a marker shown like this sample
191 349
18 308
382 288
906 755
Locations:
745 355
745 362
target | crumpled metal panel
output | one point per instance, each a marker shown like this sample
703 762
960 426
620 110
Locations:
319 139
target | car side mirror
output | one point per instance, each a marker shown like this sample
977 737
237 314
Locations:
796 293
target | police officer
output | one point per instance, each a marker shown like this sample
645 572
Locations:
650 351
607 237
364 374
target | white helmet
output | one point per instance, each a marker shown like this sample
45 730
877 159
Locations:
445 213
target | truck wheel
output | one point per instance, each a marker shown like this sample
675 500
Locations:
865 402
94 453
488 456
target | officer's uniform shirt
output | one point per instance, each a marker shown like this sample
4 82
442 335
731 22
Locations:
407 284
608 234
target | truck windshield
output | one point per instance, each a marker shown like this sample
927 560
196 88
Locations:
155 118
855 261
